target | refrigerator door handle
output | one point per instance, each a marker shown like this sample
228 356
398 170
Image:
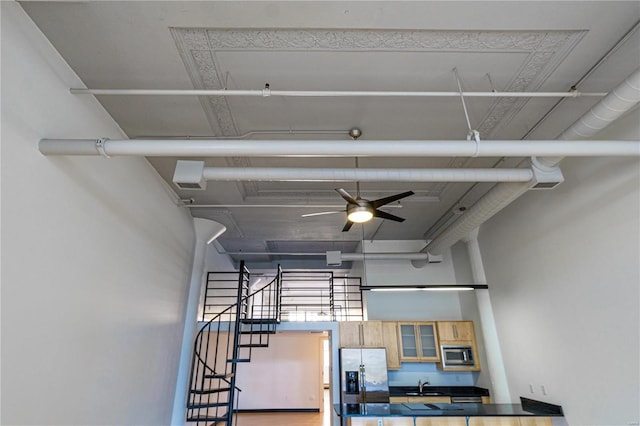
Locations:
363 377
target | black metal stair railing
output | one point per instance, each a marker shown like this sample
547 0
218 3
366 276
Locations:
226 340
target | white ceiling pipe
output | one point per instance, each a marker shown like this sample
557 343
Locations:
335 258
366 175
266 92
617 103
336 148
349 257
622 99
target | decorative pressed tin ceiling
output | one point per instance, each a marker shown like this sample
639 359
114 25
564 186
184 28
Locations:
202 51
543 50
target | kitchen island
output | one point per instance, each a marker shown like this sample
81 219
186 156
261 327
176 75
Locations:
528 413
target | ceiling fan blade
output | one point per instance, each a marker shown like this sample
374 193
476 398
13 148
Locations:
321 213
347 226
347 197
390 199
385 215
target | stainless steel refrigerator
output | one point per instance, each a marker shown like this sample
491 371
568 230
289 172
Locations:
363 375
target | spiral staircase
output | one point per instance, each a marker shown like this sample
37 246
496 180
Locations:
226 340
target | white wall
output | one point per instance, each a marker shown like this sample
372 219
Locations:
286 375
563 273
96 257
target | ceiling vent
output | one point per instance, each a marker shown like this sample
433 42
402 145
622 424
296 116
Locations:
189 175
545 177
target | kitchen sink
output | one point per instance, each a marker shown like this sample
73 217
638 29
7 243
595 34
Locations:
423 394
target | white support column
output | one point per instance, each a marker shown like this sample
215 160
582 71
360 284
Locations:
206 232
500 387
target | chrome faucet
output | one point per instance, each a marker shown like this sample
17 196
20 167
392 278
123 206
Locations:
421 384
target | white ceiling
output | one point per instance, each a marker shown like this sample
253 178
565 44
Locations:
297 45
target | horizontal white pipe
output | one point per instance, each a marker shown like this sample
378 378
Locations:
327 93
383 256
339 148
366 175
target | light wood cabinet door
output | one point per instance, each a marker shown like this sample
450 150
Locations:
372 334
408 341
418 342
444 421
390 337
494 421
456 331
510 421
536 421
356 334
386 421
349 334
427 337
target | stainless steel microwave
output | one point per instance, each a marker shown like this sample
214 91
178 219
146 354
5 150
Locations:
457 356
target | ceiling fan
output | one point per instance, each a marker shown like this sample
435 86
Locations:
360 210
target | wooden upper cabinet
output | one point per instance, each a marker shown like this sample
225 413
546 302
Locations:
390 337
456 331
372 334
418 341
365 334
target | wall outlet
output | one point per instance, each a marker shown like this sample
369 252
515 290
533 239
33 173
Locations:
380 422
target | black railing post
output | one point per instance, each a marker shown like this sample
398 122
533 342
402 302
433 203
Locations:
236 338
278 313
332 313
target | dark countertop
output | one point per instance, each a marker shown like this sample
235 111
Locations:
440 410
439 391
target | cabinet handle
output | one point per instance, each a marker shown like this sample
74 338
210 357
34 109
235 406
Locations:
361 334
455 331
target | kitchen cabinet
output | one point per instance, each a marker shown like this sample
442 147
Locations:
510 421
536 421
458 333
390 339
450 421
384 421
418 342
360 334
446 421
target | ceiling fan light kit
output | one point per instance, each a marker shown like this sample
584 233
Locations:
359 214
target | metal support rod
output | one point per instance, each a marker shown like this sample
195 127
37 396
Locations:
464 105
